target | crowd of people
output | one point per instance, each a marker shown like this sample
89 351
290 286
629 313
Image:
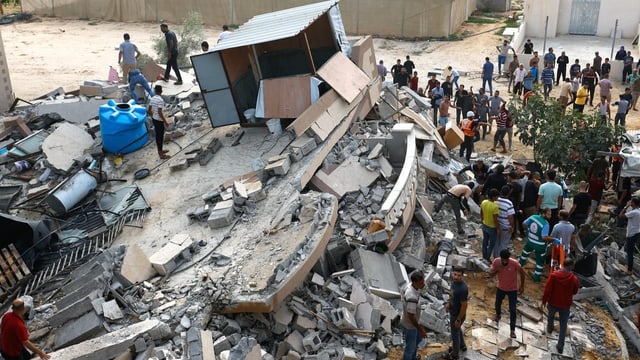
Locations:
528 206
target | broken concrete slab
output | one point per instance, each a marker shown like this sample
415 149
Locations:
75 111
66 143
111 310
72 311
380 272
348 176
115 343
136 266
83 328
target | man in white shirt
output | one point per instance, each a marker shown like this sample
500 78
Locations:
225 33
156 111
518 77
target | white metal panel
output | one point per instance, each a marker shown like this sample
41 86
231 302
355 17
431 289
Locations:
276 25
584 17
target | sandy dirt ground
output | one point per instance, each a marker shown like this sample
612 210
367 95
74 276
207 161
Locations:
47 53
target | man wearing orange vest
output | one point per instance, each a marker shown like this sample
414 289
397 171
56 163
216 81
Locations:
468 127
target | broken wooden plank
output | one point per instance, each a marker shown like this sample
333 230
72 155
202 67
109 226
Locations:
286 97
344 76
325 110
364 56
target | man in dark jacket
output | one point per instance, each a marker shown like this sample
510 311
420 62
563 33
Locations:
558 296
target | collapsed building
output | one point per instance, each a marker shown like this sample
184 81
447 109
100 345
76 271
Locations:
247 244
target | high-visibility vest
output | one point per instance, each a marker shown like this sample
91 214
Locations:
467 127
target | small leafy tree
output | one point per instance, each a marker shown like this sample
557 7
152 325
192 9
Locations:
567 141
189 39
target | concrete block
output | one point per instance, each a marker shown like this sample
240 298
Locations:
317 279
343 319
304 324
221 215
349 354
311 341
104 259
72 311
83 328
221 344
373 238
97 305
375 152
136 266
179 164
206 341
279 168
165 260
111 310
294 342
458 261
303 144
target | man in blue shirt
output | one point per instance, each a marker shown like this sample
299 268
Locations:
547 79
487 75
128 56
550 58
172 53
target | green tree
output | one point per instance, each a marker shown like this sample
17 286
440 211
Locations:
189 39
567 142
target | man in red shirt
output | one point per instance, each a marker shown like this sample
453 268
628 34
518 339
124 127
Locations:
558 296
507 270
15 337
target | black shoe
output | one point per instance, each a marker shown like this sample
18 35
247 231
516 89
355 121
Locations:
464 348
559 349
177 83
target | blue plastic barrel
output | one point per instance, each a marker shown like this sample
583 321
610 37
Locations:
123 126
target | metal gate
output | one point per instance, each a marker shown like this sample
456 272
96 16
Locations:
584 17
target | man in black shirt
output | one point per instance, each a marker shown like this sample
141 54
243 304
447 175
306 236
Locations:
395 70
562 62
403 78
529 201
447 89
528 47
574 69
495 180
409 65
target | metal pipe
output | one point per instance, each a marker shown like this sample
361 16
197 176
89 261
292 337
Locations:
546 26
613 43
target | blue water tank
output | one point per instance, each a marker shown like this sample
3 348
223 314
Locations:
123 126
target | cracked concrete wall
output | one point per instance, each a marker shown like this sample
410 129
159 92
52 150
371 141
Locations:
403 18
6 91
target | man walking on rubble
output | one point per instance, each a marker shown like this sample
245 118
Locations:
457 308
457 197
413 331
558 297
172 54
507 270
128 56
15 336
506 220
489 211
537 237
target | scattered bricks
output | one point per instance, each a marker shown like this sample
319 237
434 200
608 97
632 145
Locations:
361 219
186 105
304 143
165 260
111 310
221 215
279 168
72 311
282 318
214 145
227 194
375 152
221 344
378 195
231 327
73 332
343 319
342 302
317 279
335 288
179 164
136 266
294 342
293 355
312 341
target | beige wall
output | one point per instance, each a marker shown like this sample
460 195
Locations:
403 18
6 91
627 12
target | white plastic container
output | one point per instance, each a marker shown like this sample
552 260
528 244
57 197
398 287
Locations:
250 115
274 127
71 192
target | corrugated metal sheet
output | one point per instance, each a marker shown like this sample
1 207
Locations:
275 25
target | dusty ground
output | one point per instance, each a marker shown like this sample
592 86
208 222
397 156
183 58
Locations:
47 53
